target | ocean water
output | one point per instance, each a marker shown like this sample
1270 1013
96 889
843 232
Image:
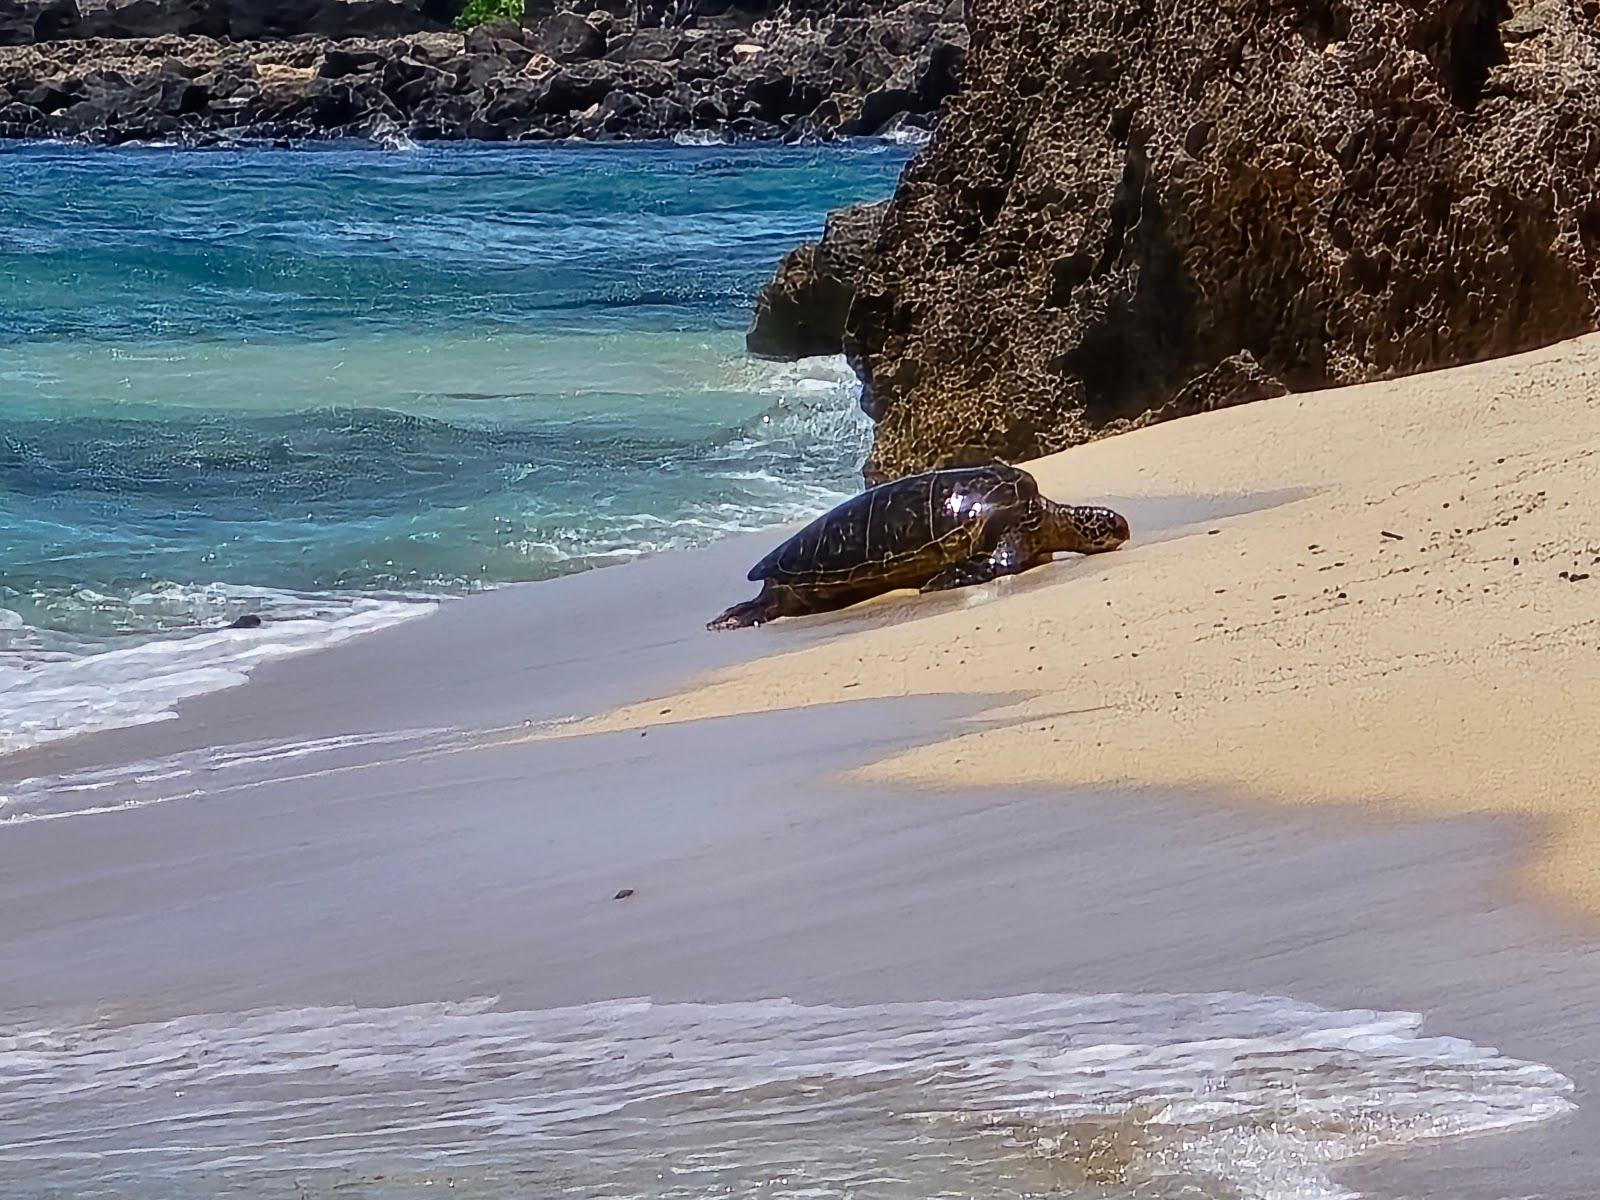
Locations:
325 387
328 388
1116 1097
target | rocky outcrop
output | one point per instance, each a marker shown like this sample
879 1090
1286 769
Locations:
802 308
24 22
588 74
1128 193
1237 379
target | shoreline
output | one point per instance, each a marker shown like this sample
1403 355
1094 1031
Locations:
63 687
1338 645
823 893
694 139
775 825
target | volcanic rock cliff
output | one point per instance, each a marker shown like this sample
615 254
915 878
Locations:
1133 204
801 311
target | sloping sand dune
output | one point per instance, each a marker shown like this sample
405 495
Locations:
1409 617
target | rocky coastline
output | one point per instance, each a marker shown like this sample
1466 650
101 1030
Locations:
196 73
1127 216
801 310
1132 209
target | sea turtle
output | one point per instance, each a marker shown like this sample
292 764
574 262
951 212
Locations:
945 528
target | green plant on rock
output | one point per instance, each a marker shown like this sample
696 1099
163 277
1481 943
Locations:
481 12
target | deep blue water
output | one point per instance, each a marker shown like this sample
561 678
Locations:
306 383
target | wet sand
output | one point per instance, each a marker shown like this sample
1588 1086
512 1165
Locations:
770 850
1412 627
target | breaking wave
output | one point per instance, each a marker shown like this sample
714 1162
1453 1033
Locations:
316 386
1115 1097
56 684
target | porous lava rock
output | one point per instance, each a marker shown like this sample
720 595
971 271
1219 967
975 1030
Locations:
176 70
246 19
801 310
1237 379
1127 193
23 22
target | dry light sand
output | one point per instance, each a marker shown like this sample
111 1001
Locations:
1415 629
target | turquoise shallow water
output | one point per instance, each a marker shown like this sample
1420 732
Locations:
318 385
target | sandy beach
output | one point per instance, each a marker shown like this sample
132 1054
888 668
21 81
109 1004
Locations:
1406 622
1320 731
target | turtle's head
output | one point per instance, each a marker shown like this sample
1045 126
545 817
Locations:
1084 528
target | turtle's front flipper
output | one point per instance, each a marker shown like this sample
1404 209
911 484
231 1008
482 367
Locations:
741 616
980 568
1013 555
772 603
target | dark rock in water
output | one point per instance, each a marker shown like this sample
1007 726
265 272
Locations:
336 103
879 107
665 114
649 45
340 61
252 19
23 22
807 131
801 310
168 69
753 129
512 111
619 112
910 127
248 621
1124 195
568 37
574 89
18 120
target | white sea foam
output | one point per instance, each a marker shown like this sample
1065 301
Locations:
212 771
699 137
814 417
907 135
386 134
784 460
51 688
1115 1097
79 659
828 374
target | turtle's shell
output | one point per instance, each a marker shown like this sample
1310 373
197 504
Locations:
924 521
